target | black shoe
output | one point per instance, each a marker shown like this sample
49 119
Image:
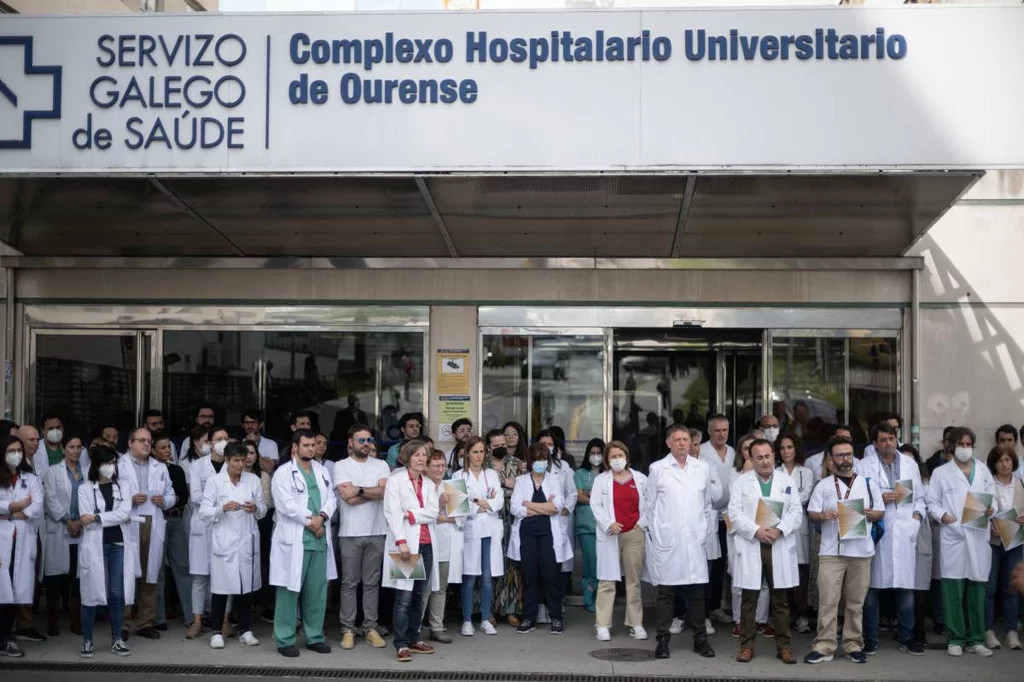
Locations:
29 635
556 626
149 632
702 647
162 627
870 648
857 657
288 651
912 647
319 647
525 626
661 651
267 616
938 629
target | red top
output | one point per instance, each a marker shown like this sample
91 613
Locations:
626 499
417 486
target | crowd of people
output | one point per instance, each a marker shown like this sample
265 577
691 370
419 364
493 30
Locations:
226 526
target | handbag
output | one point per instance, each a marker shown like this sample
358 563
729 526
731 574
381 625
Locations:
878 527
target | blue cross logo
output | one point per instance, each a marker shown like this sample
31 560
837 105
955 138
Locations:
9 97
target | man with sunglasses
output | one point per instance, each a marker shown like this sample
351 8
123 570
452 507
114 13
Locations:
360 480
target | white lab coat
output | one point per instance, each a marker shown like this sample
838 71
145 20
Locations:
523 492
479 524
159 483
448 544
676 513
963 552
895 562
804 480
21 589
602 504
198 474
41 461
569 497
400 499
56 542
92 571
743 500
234 536
291 515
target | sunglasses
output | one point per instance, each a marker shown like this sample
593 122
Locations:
364 441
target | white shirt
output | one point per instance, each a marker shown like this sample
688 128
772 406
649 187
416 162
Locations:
709 456
1004 494
824 498
366 519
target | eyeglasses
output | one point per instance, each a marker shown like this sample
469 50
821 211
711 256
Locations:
364 441
842 455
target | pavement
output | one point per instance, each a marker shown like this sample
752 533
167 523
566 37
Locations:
507 652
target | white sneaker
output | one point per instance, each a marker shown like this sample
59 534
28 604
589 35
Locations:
638 632
720 616
217 642
467 629
980 650
677 626
802 626
955 650
1013 640
488 629
542 615
707 626
991 641
249 639
604 635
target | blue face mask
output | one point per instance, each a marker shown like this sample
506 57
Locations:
540 467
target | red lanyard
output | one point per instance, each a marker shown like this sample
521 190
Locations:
835 480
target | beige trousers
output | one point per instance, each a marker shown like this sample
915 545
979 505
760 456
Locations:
631 554
841 577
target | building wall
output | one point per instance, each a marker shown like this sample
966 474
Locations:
106 6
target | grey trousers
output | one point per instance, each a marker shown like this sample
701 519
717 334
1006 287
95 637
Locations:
362 560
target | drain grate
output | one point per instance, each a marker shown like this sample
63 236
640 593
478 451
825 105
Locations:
623 655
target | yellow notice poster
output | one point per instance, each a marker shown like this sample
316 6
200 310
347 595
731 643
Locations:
453 372
450 409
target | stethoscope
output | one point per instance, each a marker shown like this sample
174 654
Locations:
300 485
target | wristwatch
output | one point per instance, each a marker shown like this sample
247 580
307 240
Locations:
360 493
324 516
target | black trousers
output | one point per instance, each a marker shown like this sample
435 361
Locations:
717 574
241 605
8 612
540 571
695 608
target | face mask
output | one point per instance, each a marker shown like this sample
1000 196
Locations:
499 453
54 435
13 459
219 446
771 433
596 460
107 471
963 454
617 465
205 449
540 467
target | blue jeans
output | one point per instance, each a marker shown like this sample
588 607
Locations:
408 611
486 586
113 565
904 615
1003 563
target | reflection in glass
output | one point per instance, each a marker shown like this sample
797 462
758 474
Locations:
809 386
874 382
505 372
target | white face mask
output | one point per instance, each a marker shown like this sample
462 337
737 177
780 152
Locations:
596 460
13 459
219 446
205 448
107 471
771 433
54 436
963 454
617 465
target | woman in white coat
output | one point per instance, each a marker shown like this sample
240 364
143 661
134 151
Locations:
232 504
965 556
539 537
789 457
106 557
756 544
21 508
63 535
616 499
448 542
482 533
410 507
199 472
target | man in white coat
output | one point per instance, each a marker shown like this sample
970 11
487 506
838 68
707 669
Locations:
675 514
301 558
965 557
765 542
895 564
844 567
719 456
152 494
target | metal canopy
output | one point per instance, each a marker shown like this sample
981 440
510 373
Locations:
867 214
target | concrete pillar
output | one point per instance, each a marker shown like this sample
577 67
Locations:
452 328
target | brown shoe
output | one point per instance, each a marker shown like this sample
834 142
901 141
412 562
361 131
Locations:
745 655
403 655
194 630
786 656
512 621
227 630
421 648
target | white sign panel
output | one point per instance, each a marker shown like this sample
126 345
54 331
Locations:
915 87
